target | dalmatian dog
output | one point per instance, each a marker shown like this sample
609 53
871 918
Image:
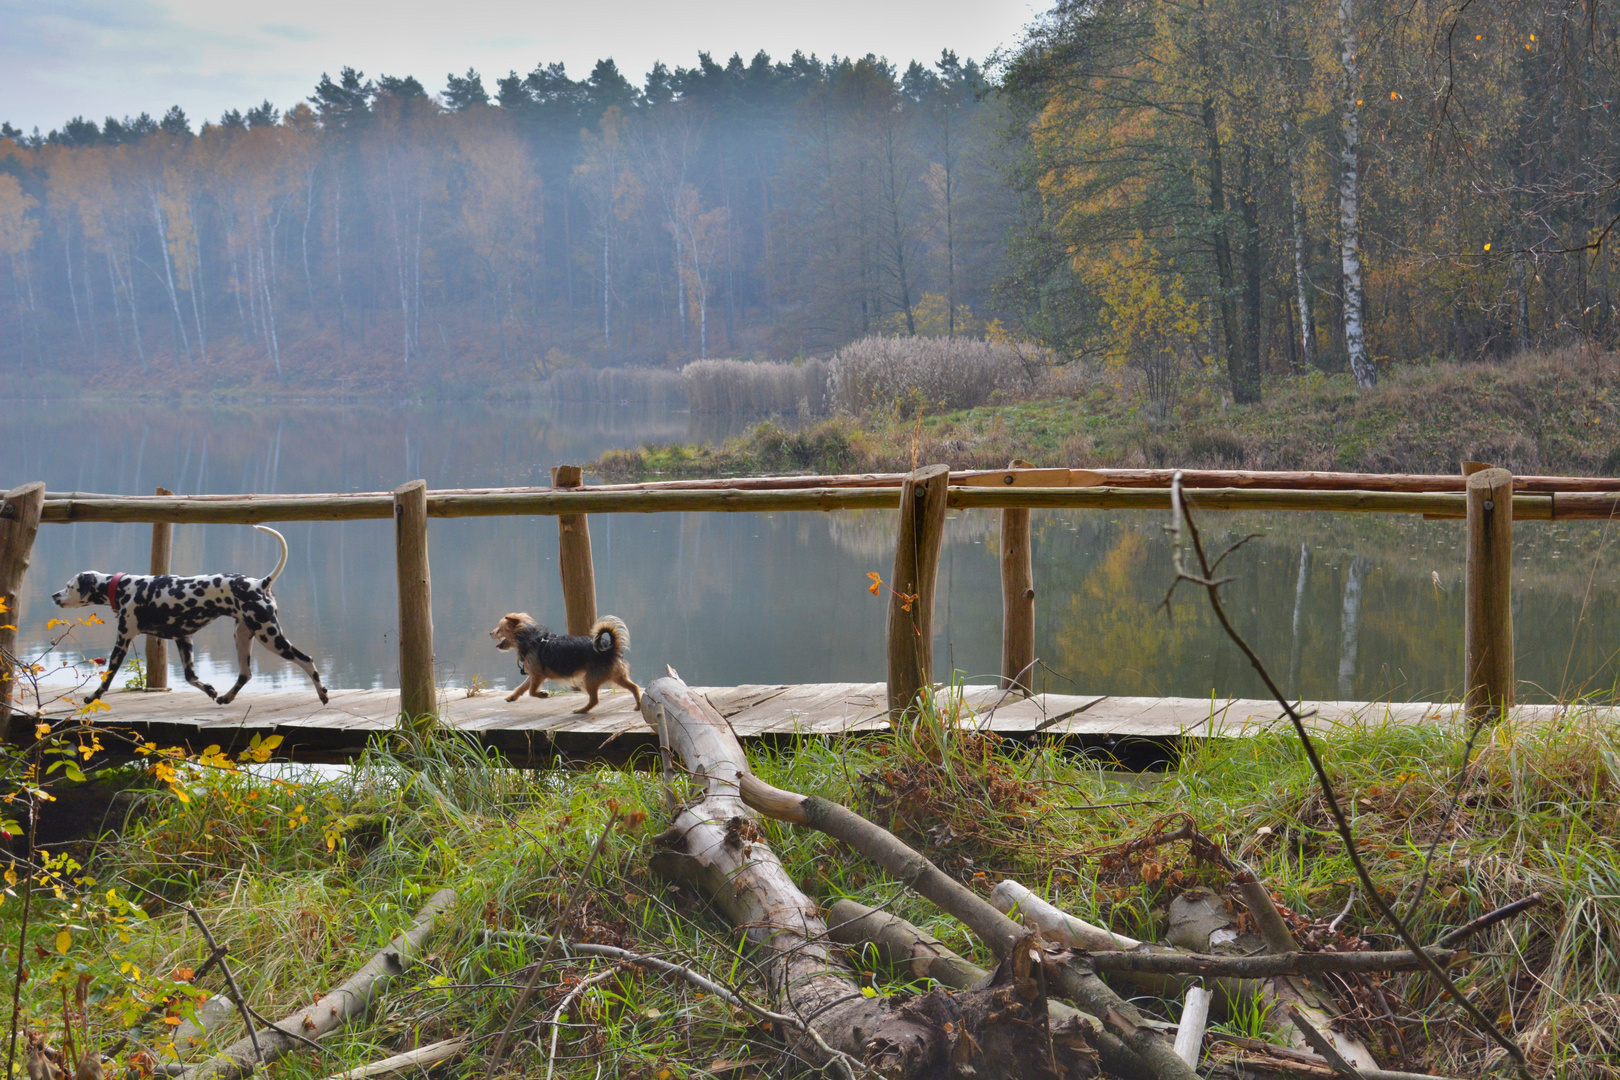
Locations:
175 608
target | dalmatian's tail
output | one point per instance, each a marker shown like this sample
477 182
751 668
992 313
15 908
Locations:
282 540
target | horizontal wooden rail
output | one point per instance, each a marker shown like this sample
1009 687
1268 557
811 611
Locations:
1023 477
550 501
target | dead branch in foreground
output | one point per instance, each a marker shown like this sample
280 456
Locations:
1204 578
1004 937
715 844
333 1010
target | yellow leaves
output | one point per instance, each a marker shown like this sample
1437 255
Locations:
1487 247
18 227
42 730
873 588
64 941
95 706
260 749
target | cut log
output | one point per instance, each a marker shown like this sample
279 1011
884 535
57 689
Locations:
716 845
334 1009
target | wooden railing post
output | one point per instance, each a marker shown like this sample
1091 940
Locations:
19 522
1488 603
416 693
157 649
1017 599
574 557
911 597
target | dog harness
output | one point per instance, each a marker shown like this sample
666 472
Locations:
112 590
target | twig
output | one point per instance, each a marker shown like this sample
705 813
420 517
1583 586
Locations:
1180 512
567 911
666 967
1323 1045
1264 965
1333 927
1467 930
573 995
230 980
273 1026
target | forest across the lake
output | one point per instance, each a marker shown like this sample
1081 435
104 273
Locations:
1154 190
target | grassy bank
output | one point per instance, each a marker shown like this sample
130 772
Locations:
304 880
1543 413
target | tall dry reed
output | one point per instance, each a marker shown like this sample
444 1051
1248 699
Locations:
881 373
757 389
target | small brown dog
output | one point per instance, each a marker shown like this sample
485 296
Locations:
589 659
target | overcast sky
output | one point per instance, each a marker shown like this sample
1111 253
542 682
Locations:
64 58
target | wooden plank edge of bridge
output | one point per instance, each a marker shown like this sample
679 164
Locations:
772 714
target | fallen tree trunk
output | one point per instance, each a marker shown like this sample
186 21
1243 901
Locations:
716 845
1075 981
333 1010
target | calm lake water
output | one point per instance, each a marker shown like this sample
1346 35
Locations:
1341 606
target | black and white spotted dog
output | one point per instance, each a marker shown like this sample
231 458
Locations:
175 608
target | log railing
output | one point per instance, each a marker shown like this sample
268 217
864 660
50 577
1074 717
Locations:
1489 501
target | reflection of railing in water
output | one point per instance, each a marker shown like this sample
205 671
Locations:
1489 500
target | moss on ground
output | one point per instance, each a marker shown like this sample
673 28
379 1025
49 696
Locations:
304 879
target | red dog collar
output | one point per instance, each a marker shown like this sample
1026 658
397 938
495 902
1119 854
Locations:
112 590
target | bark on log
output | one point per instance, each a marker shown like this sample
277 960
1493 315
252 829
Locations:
716 845
334 1009
1075 981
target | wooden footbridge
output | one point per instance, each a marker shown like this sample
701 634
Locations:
1486 499
1132 729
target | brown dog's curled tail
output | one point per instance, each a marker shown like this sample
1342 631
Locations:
610 635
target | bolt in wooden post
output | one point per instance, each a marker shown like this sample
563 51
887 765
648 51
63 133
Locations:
157 650
911 597
1017 599
1488 604
416 694
19 522
574 557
